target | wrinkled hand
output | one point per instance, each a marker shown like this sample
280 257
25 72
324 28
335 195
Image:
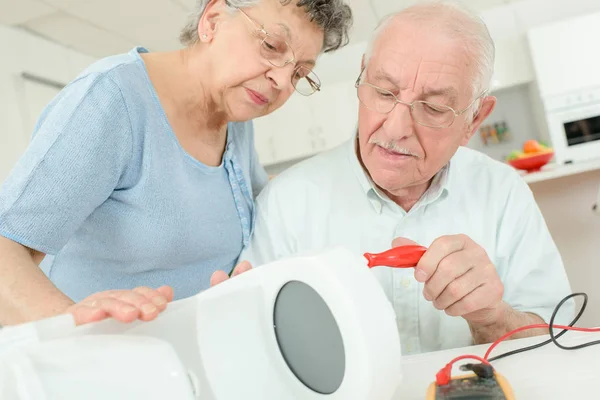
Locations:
140 303
460 279
221 276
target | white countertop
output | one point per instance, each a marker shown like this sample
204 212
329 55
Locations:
547 373
553 171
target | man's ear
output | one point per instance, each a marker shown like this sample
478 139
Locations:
488 103
209 22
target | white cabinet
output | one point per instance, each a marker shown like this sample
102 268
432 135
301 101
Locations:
263 140
531 13
305 126
512 65
291 137
335 114
565 54
285 134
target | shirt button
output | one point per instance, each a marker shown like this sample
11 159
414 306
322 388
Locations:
406 282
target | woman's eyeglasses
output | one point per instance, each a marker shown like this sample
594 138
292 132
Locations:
277 51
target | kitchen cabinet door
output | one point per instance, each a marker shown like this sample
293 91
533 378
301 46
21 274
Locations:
335 113
290 128
263 140
512 64
532 13
565 54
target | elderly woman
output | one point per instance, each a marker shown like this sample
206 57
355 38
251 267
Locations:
142 171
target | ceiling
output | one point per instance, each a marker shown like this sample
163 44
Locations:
104 27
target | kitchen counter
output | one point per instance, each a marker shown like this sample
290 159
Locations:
553 171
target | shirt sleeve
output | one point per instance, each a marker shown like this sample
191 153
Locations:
270 240
533 273
80 149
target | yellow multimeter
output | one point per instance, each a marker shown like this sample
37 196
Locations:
472 387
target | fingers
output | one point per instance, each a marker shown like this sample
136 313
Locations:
85 315
167 292
242 267
111 307
123 305
439 249
457 289
144 295
451 268
478 300
400 241
147 302
218 277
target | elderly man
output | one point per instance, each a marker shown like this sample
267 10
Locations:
491 265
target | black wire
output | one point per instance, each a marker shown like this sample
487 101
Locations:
552 336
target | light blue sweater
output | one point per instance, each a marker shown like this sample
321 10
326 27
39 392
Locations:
106 190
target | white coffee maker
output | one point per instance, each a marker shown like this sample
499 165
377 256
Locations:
315 327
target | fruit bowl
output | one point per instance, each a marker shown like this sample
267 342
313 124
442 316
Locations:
533 162
532 158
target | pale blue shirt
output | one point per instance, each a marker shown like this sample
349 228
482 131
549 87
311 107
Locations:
106 190
330 201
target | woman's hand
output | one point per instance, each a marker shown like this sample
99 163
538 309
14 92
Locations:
140 303
221 276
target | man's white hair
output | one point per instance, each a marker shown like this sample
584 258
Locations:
457 21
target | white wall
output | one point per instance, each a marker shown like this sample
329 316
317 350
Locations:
514 107
22 100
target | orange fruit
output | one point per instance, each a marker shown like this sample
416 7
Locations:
532 146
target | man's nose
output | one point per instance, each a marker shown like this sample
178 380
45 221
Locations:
399 122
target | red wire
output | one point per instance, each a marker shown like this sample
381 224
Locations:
444 375
536 326
469 356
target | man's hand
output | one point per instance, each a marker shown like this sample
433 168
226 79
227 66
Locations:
460 279
221 276
140 303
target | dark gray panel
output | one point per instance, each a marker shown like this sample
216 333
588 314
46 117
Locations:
309 337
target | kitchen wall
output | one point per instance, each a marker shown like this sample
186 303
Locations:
515 109
22 99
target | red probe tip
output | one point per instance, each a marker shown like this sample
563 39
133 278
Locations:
399 257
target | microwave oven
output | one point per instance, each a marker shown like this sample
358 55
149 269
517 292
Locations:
574 125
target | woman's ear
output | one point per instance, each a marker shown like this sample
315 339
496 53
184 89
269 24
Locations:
211 17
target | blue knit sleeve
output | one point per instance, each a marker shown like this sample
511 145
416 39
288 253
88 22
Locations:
80 149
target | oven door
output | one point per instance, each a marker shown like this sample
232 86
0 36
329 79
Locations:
575 133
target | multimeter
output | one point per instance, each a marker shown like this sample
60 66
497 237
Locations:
472 387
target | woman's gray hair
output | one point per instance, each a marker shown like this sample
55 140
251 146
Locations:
333 16
457 21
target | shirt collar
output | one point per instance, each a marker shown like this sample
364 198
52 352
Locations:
438 189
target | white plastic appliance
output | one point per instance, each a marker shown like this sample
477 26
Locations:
312 328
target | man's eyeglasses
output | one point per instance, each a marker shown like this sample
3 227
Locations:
424 113
277 51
